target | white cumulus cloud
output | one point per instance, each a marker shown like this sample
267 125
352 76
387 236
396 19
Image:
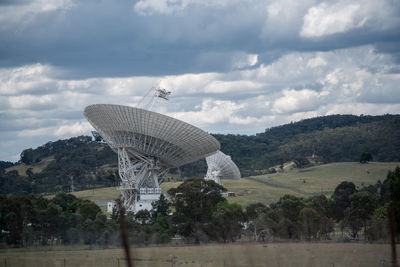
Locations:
36 106
294 101
78 128
326 19
209 112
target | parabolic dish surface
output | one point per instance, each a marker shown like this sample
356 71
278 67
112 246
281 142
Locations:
148 133
224 165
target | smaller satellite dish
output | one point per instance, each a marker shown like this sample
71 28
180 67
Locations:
221 166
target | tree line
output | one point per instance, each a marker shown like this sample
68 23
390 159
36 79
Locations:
84 163
77 163
197 213
335 138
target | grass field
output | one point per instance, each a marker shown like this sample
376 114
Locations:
269 188
308 181
36 168
99 194
271 254
326 177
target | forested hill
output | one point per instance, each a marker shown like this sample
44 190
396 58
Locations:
86 163
56 166
326 139
320 123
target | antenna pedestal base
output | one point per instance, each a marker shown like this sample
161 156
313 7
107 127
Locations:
140 180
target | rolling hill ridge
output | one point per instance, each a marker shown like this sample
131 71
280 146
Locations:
85 164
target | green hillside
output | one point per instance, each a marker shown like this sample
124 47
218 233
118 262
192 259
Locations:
87 164
334 138
269 188
317 138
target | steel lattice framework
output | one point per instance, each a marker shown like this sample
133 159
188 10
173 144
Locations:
221 166
148 144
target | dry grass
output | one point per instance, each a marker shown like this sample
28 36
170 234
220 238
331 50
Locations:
168 185
298 182
272 254
325 178
99 194
36 168
249 191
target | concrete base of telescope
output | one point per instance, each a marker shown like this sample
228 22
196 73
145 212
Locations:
213 177
144 200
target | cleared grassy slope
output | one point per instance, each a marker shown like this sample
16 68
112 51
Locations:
36 168
269 188
326 177
99 194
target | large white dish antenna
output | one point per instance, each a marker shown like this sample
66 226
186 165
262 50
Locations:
148 144
171 141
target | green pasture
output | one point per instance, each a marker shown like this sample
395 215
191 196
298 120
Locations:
325 178
99 194
269 188
250 191
36 168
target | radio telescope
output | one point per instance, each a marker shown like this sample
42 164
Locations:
221 166
148 144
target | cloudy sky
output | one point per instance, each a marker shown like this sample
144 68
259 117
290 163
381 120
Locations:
233 66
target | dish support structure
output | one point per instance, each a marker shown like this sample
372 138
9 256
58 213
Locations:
140 180
213 175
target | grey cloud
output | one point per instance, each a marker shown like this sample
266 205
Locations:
81 53
14 2
11 147
94 39
16 123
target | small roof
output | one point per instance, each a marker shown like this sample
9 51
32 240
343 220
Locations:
148 133
223 165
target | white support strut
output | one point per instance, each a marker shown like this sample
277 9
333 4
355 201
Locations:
140 180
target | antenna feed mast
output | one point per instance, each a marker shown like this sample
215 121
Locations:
151 97
161 93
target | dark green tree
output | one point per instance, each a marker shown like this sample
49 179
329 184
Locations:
262 221
27 156
362 207
291 207
310 222
394 187
378 225
353 222
341 196
194 201
301 162
254 209
88 210
143 217
160 206
226 223
365 157
322 205
324 208
63 199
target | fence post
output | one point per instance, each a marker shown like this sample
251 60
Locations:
393 237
